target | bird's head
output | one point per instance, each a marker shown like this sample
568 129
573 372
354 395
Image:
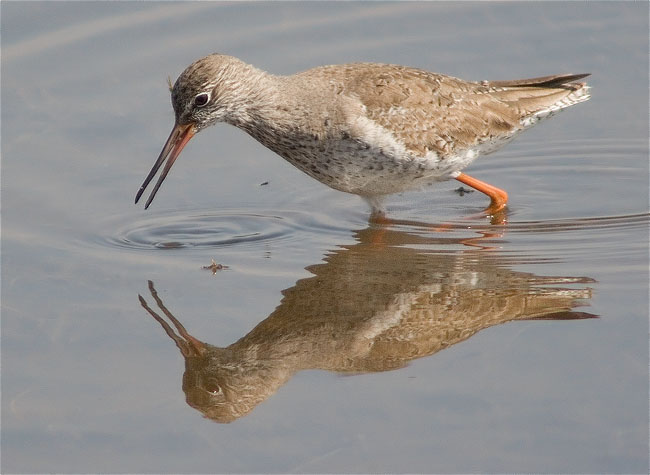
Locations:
216 88
212 89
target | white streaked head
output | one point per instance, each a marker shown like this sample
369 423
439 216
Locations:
216 88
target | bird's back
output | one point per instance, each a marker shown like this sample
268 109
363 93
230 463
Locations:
430 112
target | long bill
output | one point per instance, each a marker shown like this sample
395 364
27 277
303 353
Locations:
180 135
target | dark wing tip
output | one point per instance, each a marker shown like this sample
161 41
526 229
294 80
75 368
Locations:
544 81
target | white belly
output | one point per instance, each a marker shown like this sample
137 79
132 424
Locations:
353 167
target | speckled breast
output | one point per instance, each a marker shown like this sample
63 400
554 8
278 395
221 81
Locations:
355 167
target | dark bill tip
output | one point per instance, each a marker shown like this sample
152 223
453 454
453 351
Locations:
178 138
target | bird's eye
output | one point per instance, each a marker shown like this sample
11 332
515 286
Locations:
201 99
212 388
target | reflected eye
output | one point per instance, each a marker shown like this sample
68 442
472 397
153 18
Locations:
212 388
201 99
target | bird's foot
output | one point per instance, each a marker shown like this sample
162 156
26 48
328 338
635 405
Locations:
497 212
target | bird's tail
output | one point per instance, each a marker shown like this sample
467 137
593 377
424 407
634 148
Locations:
539 98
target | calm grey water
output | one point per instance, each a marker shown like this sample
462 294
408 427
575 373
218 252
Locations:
327 344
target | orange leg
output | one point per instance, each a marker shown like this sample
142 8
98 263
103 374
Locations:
498 197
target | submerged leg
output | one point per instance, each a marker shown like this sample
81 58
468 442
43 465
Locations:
498 197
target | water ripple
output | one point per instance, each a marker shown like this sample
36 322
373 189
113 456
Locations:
217 229
595 223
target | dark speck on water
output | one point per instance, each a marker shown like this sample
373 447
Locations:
461 190
214 267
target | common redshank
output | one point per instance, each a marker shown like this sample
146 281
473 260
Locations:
364 128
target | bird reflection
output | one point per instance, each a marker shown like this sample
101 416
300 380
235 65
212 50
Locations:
367 308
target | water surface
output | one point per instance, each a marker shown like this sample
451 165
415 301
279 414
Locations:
440 343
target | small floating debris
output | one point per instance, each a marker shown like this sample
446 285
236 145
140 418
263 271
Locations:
214 267
461 191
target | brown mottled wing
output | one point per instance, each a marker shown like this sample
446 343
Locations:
428 111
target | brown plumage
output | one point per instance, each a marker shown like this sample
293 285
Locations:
365 128
366 311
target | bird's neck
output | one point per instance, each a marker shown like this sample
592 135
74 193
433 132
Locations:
257 102
271 109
